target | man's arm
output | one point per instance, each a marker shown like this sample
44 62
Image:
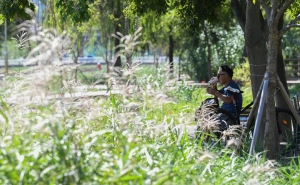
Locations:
217 94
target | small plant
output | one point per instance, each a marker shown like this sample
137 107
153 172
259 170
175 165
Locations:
183 92
242 74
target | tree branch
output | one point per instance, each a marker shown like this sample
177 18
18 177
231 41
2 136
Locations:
282 9
274 8
292 24
239 13
295 20
265 7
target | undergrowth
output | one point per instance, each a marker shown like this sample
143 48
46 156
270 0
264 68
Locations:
127 138
135 133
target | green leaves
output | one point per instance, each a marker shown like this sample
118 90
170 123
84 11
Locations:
15 9
194 12
77 11
141 6
1 19
294 9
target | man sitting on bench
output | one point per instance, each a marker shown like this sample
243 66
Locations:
230 94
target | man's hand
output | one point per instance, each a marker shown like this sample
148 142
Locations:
211 90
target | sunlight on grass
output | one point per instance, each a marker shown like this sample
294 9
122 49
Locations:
54 131
120 139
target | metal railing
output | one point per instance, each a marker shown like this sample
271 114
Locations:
93 60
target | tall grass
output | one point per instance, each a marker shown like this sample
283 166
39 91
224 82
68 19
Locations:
129 138
137 136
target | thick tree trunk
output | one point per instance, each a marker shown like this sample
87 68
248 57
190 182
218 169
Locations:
255 31
255 46
255 43
255 40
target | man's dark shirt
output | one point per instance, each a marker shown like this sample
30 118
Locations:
230 107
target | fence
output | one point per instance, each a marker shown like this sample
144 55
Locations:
292 69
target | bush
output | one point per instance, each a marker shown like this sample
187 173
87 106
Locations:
242 74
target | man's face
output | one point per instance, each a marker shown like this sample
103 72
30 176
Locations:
222 76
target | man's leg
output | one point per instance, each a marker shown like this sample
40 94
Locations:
223 124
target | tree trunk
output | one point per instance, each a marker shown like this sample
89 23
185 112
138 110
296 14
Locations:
76 70
208 52
271 137
118 62
171 51
209 61
255 33
239 13
255 43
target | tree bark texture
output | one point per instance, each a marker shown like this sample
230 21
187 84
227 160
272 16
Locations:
271 137
257 32
208 52
239 13
255 43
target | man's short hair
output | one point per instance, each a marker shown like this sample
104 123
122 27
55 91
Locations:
227 69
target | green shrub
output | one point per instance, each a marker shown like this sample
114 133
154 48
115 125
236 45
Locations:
242 74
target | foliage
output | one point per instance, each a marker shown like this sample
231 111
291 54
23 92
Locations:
77 11
142 7
1 19
226 47
194 12
118 139
294 90
183 92
195 63
101 39
137 136
229 48
11 44
290 176
294 9
247 95
15 9
242 73
290 44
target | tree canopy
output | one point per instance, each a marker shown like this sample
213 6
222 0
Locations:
11 9
192 12
77 11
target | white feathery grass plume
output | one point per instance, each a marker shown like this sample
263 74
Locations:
231 136
49 49
128 45
254 171
206 156
50 46
208 120
21 39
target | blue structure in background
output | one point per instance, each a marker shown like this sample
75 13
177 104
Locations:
40 7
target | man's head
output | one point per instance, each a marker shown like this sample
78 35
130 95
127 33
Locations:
225 74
